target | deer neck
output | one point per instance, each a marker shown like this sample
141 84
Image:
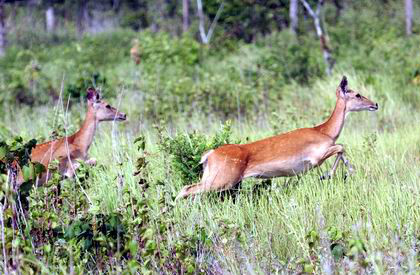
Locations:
84 137
333 126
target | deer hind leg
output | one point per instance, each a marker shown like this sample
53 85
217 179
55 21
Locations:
219 176
91 162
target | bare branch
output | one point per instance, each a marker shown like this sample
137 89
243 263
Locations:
408 16
201 22
205 38
214 23
320 33
3 31
308 8
3 240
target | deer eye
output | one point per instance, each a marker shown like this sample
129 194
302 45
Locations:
358 96
108 106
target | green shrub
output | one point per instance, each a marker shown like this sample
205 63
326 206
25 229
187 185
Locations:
158 50
291 58
88 77
25 81
186 150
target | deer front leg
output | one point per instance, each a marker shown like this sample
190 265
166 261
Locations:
335 149
69 168
347 164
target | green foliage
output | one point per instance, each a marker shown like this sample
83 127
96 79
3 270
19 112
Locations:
59 228
15 159
25 81
34 77
247 19
186 150
340 243
135 20
88 77
16 150
160 49
291 59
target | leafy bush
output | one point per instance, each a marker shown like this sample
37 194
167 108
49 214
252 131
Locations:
186 150
160 50
135 20
52 222
14 155
245 20
25 81
290 58
34 77
88 77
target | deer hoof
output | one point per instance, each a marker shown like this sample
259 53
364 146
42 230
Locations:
325 176
91 162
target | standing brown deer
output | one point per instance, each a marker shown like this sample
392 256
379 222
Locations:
135 51
283 155
69 149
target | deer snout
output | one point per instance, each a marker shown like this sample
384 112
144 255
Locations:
121 116
374 107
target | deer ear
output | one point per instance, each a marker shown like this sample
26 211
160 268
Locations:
343 84
91 94
98 96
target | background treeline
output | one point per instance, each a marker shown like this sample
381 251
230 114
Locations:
192 52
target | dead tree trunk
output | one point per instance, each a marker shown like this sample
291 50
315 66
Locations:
205 38
293 15
3 32
408 16
338 8
185 15
81 18
320 33
50 19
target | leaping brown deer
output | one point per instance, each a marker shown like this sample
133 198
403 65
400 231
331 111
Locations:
72 148
284 155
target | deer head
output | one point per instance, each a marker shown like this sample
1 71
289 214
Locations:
102 110
354 101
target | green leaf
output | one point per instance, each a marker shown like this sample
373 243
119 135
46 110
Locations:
337 251
39 168
28 172
3 152
141 142
308 268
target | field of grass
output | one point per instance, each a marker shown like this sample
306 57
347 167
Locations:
285 225
120 217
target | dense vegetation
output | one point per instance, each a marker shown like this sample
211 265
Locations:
185 97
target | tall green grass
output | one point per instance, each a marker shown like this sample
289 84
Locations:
264 229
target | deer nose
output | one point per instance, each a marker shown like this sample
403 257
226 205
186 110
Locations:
121 116
374 107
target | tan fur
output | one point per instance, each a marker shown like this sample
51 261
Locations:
135 52
286 154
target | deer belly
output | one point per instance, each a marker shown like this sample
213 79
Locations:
281 168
